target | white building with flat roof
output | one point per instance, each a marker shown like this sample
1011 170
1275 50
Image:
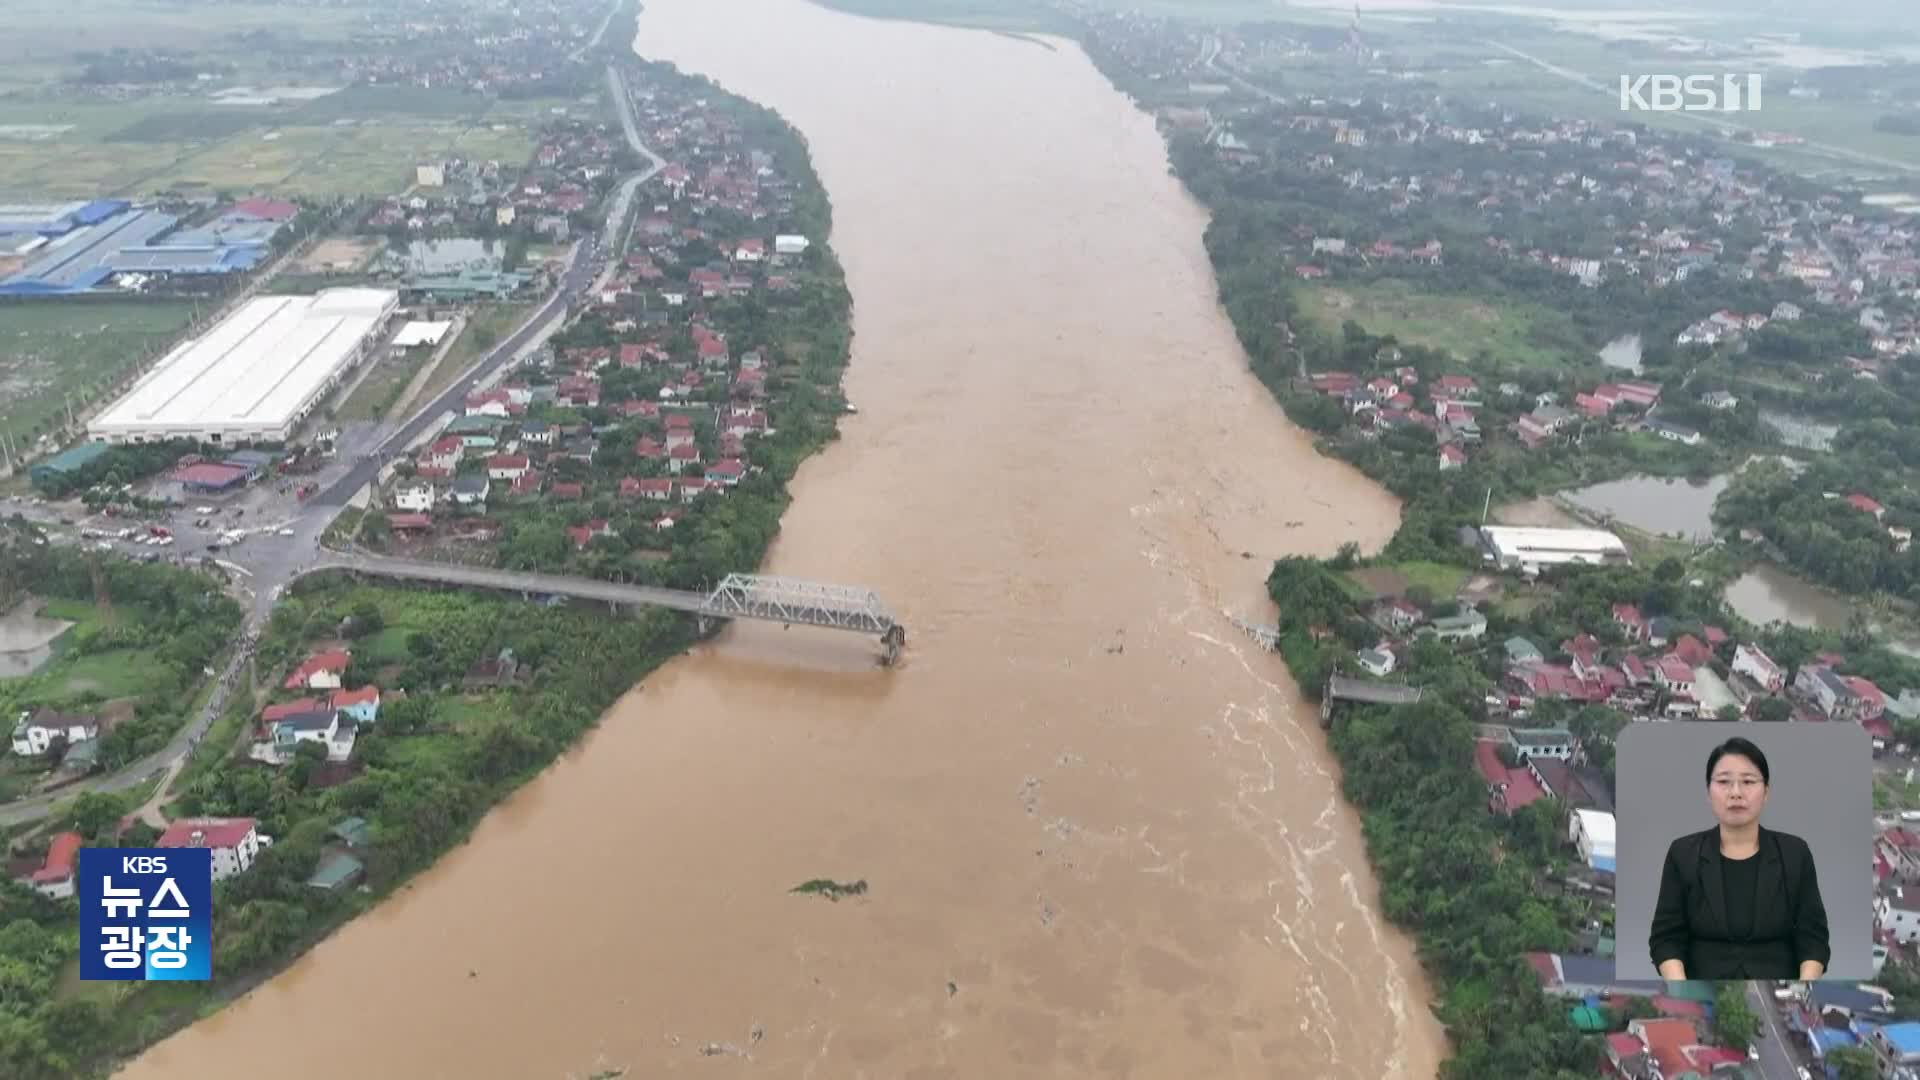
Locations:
256 374
1521 547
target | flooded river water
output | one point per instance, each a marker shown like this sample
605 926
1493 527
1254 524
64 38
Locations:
1101 831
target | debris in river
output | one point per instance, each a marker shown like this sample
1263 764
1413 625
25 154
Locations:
832 890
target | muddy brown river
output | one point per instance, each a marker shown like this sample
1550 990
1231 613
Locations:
1101 831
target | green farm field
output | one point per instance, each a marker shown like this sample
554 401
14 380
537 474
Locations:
1518 334
50 348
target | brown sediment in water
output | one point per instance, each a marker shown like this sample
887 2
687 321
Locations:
1083 859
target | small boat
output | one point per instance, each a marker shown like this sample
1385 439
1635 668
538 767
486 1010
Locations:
852 408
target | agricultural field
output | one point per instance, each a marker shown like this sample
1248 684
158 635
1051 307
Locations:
1515 333
319 139
1484 70
43 35
50 348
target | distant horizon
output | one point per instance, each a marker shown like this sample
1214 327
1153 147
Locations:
1848 14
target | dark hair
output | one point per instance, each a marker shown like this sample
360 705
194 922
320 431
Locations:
1745 749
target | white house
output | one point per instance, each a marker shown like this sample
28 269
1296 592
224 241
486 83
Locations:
320 671
1541 742
430 175
414 498
507 467
331 728
1377 662
35 731
790 245
1592 834
1673 674
235 842
1755 664
1898 913
1674 432
471 488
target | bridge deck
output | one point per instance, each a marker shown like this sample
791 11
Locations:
518 581
1371 693
739 596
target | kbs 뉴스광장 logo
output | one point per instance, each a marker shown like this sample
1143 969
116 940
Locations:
146 914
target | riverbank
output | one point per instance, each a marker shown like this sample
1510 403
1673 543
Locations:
1058 469
430 771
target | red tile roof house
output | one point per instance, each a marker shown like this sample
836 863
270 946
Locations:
1584 649
1694 651
528 483
727 473
444 453
1866 505
272 714
1334 382
1508 789
1673 1044
1643 394
682 456
657 488
507 466
567 491
1674 674
1628 618
54 879
234 841
321 671
584 534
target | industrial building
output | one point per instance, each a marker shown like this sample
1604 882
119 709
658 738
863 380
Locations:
1531 548
64 249
66 463
255 375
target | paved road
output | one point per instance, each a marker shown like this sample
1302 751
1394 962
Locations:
274 565
573 282
1776 1062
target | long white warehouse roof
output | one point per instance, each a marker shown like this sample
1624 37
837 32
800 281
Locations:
256 370
1519 539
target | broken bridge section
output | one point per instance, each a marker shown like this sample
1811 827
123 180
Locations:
738 596
807 603
1365 692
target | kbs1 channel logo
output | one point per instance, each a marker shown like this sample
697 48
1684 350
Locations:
1690 93
146 914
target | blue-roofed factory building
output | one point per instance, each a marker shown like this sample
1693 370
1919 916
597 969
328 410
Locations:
64 249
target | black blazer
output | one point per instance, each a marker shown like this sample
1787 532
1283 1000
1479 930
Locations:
1690 920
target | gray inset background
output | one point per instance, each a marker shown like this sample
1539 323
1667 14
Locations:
1822 792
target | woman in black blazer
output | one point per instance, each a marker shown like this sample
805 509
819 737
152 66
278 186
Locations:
1739 901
